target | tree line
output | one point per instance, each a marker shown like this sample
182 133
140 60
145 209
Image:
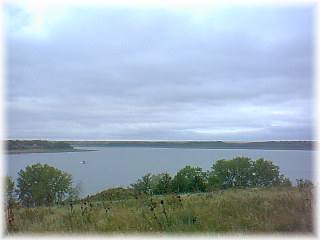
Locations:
45 185
235 173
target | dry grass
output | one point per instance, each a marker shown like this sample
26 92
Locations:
234 210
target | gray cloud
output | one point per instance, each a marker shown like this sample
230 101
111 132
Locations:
229 74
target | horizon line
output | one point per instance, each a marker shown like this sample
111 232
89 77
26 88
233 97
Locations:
156 140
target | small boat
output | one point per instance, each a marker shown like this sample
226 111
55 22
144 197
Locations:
83 162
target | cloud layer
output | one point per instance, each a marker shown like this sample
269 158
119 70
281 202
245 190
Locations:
129 73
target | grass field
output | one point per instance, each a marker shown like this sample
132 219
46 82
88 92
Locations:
260 210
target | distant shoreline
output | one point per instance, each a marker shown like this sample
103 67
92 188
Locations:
268 145
47 151
40 146
208 148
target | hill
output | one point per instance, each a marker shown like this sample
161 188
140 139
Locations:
253 210
38 146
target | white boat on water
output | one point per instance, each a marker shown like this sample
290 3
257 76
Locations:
83 162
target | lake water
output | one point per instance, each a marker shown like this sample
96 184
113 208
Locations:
120 166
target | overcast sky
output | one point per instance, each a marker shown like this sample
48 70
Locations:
122 73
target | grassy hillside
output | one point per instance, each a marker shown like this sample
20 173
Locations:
235 210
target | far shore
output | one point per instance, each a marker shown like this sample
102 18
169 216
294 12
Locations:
24 151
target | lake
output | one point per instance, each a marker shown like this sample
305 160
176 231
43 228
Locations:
120 166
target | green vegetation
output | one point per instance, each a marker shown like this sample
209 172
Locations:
243 172
237 195
189 179
286 209
236 173
42 185
112 194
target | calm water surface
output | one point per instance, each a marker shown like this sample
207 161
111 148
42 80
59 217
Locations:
121 166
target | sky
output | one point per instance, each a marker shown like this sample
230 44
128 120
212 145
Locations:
89 72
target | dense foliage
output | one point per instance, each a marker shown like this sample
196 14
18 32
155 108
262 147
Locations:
155 184
42 185
190 179
243 172
234 173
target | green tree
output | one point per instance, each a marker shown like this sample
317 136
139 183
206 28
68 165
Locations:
143 184
42 185
190 179
161 183
284 181
243 172
231 173
265 173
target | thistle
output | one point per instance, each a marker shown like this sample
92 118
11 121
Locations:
71 207
164 211
194 220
